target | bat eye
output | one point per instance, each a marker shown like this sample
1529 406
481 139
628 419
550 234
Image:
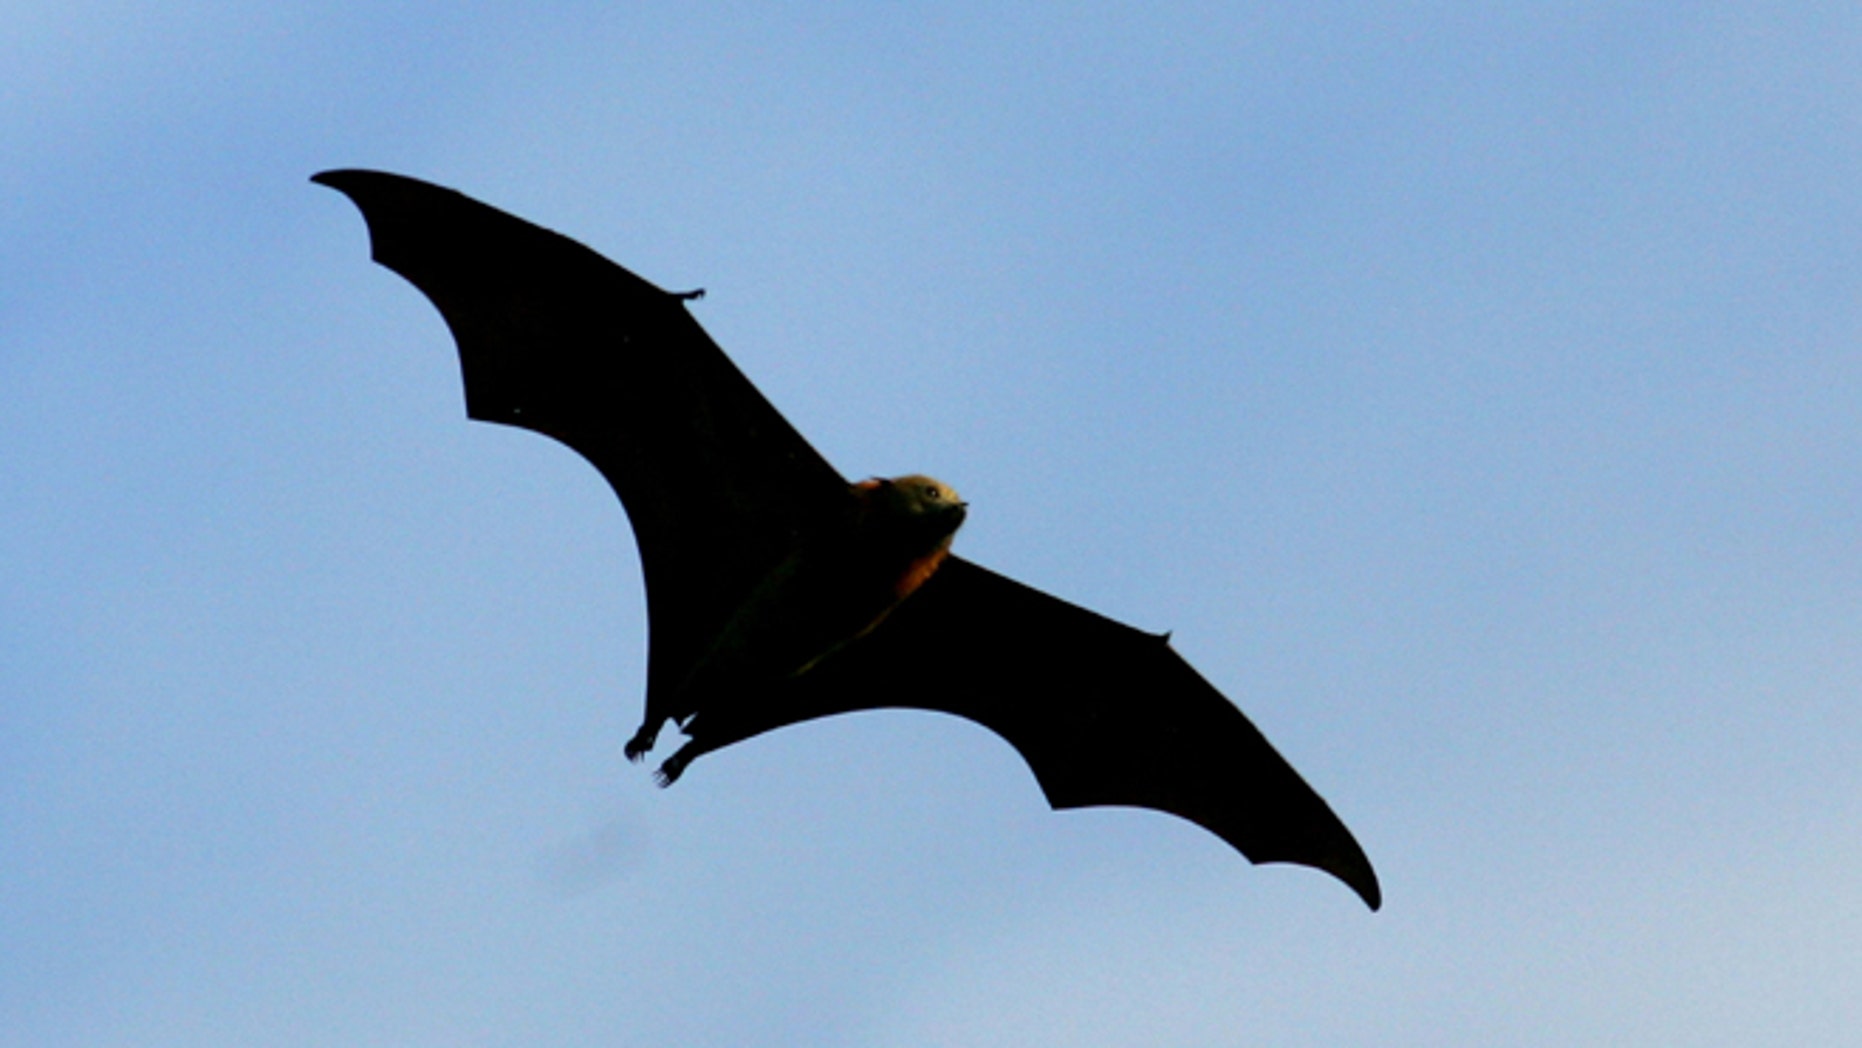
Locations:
933 493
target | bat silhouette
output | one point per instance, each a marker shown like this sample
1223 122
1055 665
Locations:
777 592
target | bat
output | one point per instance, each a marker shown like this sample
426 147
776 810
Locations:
777 592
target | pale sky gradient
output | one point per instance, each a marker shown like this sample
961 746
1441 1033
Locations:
1476 393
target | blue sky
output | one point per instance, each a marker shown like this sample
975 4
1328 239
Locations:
1474 393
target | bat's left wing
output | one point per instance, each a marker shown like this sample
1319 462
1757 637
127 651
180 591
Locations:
1103 713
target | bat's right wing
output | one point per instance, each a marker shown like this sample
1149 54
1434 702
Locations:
554 338
1103 713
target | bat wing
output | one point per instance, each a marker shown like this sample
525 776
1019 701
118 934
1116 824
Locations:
1103 713
554 338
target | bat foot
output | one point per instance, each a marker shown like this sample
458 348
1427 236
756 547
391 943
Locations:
674 767
638 746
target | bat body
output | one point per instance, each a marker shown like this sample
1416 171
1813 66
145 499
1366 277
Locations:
777 592
837 587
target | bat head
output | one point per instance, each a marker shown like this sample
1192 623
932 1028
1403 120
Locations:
923 508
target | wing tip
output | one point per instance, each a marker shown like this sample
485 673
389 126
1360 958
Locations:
1343 859
346 180
1360 879
1364 882
363 189
1371 894
1353 871
406 217
1339 855
371 190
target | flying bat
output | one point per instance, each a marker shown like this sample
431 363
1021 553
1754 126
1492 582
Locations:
777 592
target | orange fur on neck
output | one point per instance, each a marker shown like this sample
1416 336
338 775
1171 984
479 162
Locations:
919 570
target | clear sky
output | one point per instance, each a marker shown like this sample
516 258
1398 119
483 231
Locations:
1475 391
